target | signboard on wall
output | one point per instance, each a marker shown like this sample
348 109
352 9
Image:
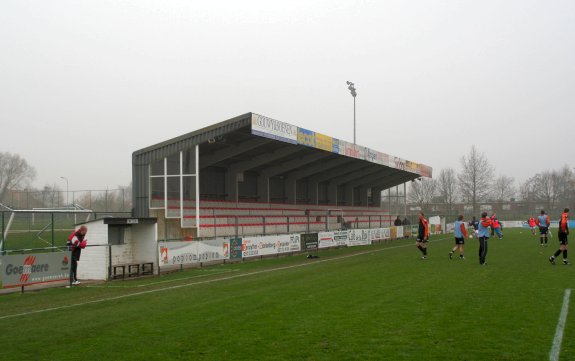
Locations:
275 129
266 245
184 253
358 237
332 239
29 269
309 242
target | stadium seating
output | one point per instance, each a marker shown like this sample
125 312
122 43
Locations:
223 218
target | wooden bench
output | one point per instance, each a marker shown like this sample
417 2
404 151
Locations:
147 268
132 270
115 273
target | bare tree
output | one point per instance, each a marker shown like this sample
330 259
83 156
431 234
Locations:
503 188
565 186
475 178
422 193
545 188
526 191
14 173
447 188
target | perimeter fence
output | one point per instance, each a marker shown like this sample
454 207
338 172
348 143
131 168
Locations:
510 211
107 200
27 229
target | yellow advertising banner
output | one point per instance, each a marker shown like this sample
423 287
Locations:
323 142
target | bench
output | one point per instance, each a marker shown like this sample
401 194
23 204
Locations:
147 268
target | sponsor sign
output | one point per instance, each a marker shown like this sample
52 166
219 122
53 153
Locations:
309 242
306 137
371 155
274 129
326 239
182 253
353 150
267 245
411 166
382 158
340 238
378 233
236 248
400 232
324 142
397 163
358 237
335 146
29 269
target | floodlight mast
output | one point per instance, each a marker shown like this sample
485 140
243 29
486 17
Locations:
353 92
67 193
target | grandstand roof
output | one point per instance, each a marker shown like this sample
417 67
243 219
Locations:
255 143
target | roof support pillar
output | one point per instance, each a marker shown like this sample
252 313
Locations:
332 193
264 188
290 186
364 196
232 185
349 195
313 187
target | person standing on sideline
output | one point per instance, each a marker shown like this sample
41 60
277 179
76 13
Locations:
76 242
422 235
397 221
460 233
483 229
562 233
543 222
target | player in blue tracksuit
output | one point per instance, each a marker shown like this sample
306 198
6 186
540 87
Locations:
460 233
483 229
543 222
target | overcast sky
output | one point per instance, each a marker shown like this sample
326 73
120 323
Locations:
83 84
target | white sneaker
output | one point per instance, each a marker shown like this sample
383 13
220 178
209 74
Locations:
76 282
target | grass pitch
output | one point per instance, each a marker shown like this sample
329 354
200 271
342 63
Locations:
364 303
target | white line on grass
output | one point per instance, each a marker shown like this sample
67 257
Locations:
203 282
208 273
556 348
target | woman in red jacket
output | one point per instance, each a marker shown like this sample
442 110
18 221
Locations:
76 242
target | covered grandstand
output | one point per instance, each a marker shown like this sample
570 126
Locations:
255 175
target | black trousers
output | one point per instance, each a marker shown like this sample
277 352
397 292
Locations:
482 249
74 269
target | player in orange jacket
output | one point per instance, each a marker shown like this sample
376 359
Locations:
562 233
532 224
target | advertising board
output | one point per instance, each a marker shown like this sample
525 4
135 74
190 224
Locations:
29 269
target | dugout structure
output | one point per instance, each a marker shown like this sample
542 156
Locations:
251 165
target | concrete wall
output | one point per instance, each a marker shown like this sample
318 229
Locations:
140 246
93 263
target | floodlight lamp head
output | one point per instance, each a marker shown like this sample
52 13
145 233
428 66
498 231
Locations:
351 88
